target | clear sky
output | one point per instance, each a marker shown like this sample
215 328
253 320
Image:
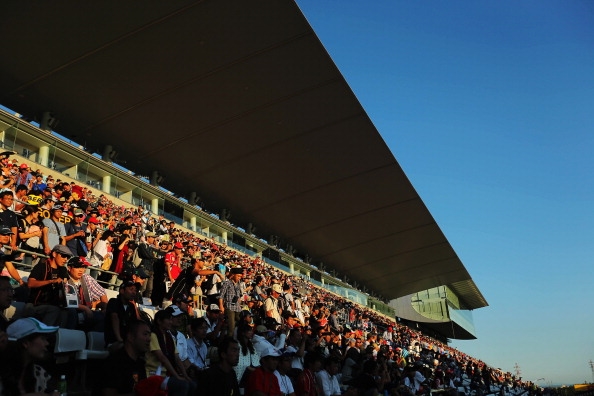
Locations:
489 108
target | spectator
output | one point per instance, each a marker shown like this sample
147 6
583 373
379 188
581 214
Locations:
53 230
120 312
263 382
282 373
8 218
76 234
271 304
327 379
181 342
197 348
215 322
46 286
162 358
249 359
230 298
23 373
102 252
148 254
92 299
125 368
30 232
6 259
220 379
6 296
173 261
307 384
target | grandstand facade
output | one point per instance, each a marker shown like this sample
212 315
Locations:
169 113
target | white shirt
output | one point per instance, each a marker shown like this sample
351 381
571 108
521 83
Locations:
197 353
286 387
182 345
329 384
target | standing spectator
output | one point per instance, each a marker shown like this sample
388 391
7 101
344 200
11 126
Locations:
46 286
30 232
5 259
76 234
53 230
173 261
148 254
230 298
271 304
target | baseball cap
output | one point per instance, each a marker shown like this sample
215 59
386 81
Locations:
178 245
22 328
175 311
77 262
57 207
78 211
213 307
5 230
128 283
61 249
182 298
271 351
93 220
139 271
150 234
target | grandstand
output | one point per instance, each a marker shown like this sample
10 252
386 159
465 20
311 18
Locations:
254 142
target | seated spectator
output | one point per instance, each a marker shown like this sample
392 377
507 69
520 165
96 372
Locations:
214 321
163 359
282 373
46 287
120 311
6 296
307 384
220 379
249 359
197 348
92 299
125 368
21 371
5 259
327 377
263 382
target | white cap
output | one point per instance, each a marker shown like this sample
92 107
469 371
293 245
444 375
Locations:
22 328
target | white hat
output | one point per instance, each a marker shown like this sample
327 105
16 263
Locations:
269 350
277 288
175 311
22 328
213 307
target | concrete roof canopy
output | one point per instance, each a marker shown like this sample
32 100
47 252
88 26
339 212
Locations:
239 101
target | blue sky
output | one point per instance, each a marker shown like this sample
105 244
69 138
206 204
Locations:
489 109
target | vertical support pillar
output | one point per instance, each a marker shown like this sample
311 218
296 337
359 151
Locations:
43 156
106 184
155 205
224 236
193 223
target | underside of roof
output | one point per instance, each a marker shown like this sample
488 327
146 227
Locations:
239 102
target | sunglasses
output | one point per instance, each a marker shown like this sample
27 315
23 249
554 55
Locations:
64 255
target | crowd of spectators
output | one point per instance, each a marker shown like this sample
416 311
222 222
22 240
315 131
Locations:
226 323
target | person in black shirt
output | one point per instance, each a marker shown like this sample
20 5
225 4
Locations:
126 367
120 311
220 379
46 284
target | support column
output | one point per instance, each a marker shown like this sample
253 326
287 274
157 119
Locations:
155 205
193 223
224 236
292 268
106 184
43 156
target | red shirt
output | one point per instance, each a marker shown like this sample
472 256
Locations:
263 381
172 259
